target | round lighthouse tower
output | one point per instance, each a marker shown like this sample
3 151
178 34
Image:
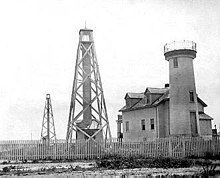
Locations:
184 119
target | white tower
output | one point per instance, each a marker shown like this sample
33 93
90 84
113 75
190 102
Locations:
184 119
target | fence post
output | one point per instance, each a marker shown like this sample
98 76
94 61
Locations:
184 148
170 147
213 147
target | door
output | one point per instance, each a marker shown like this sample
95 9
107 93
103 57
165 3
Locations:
193 124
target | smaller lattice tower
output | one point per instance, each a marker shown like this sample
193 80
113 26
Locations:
48 128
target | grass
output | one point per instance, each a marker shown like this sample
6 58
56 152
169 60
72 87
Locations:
118 162
207 162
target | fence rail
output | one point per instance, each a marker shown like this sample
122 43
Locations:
59 150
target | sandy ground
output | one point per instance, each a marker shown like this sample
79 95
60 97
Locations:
87 169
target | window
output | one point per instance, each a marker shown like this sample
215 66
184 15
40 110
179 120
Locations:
143 124
85 38
148 98
152 124
175 62
191 96
126 126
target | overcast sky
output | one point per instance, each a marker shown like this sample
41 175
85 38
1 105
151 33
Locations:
38 45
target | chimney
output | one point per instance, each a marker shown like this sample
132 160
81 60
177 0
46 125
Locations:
166 85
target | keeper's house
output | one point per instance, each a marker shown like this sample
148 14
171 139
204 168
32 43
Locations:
175 110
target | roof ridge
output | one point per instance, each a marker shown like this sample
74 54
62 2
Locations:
156 88
136 92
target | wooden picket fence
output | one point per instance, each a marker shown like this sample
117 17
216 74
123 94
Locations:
59 150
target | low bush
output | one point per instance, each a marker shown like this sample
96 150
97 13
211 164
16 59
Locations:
118 162
35 161
170 162
5 162
24 161
208 163
6 169
208 167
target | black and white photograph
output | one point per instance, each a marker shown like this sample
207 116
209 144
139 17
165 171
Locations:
109 88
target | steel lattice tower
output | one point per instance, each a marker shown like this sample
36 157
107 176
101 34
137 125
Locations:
88 117
48 128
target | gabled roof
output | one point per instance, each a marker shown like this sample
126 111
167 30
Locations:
134 95
203 116
164 97
202 102
123 108
156 90
141 104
